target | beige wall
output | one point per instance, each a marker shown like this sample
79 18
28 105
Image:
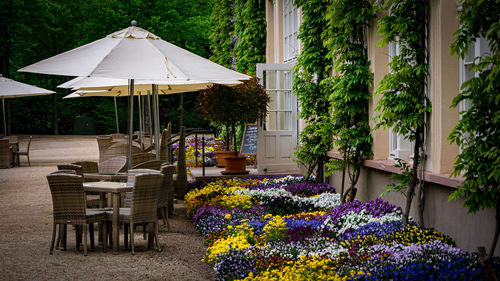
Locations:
449 217
379 57
444 82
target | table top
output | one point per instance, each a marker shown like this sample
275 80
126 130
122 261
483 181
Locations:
108 186
106 176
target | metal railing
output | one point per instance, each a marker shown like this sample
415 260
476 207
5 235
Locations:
190 132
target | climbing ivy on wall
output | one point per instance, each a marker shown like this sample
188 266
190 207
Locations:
477 132
238 38
310 70
222 21
250 29
349 88
403 104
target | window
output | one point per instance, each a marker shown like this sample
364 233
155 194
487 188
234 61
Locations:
290 30
278 84
399 147
478 49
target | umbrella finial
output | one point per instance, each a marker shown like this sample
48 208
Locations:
133 23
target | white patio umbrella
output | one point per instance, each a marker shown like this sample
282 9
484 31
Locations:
13 89
135 53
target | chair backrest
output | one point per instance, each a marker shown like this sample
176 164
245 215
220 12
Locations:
88 166
138 158
66 166
68 198
167 185
103 142
71 172
128 196
29 144
5 153
118 149
113 165
153 165
145 198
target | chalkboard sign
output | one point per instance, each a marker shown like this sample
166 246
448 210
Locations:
249 140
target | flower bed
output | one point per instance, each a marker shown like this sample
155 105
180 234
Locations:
211 146
284 229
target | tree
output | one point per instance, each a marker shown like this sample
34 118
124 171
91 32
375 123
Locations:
403 104
478 130
221 42
310 70
349 94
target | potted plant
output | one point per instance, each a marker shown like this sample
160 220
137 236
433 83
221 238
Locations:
230 107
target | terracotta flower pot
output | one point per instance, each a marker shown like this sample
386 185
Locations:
235 165
220 157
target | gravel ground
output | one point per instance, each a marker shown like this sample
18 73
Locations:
26 227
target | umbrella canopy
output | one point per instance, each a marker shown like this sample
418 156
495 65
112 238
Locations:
99 86
13 89
134 53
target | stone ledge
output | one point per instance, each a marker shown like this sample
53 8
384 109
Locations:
388 166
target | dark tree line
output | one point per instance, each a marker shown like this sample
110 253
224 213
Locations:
32 30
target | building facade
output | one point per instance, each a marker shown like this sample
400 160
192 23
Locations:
278 135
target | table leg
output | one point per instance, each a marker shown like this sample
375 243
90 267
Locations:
102 199
116 227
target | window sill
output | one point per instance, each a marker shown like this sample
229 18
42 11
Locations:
388 166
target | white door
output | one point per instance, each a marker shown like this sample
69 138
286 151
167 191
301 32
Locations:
277 135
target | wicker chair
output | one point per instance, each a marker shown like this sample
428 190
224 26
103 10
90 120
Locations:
69 207
113 165
166 199
119 149
144 204
153 165
5 153
180 180
24 152
77 168
88 166
103 142
138 158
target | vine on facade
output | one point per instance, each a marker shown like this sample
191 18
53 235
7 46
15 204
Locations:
310 70
221 44
403 104
349 88
477 132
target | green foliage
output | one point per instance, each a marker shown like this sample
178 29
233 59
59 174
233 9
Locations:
403 104
33 30
349 88
404 178
310 70
477 132
250 34
232 106
223 29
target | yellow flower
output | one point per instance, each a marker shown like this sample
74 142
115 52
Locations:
227 216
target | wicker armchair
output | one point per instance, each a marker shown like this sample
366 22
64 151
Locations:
77 168
144 204
103 142
69 207
5 153
88 166
166 199
138 158
180 180
153 165
119 149
113 165
24 152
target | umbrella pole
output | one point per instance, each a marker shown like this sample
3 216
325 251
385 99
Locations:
156 125
130 122
149 116
116 117
4 122
139 105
